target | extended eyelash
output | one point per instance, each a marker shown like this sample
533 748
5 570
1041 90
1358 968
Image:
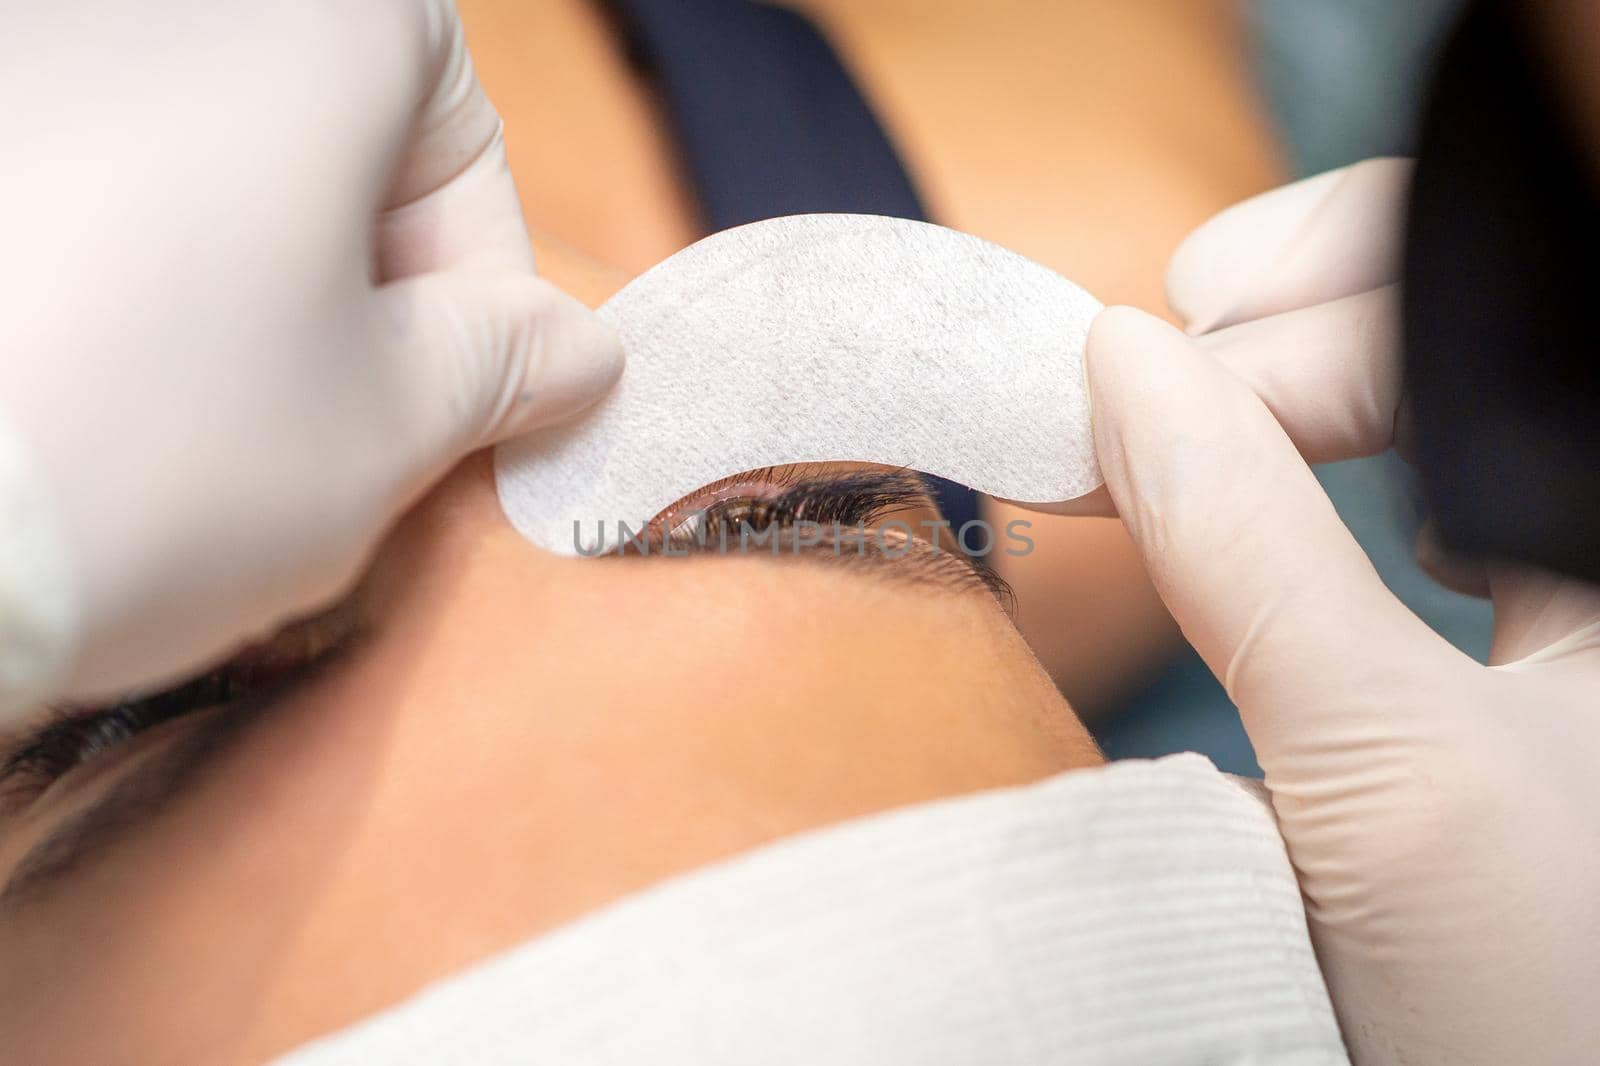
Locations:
857 499
74 735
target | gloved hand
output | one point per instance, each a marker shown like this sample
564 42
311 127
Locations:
1442 815
264 278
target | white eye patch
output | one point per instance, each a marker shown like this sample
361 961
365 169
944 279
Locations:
814 338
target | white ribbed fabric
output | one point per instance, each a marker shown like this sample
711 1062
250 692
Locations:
36 606
1138 914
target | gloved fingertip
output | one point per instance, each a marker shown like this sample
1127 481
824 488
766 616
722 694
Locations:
572 358
1155 401
1191 296
1213 275
1118 325
1123 342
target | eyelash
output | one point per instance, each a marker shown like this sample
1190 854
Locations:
859 499
74 736
794 494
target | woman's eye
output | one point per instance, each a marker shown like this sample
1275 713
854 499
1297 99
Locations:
757 513
783 496
728 516
750 501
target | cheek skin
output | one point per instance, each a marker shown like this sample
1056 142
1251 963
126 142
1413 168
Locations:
525 738
647 719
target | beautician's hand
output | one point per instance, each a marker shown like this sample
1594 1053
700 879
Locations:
1443 816
263 278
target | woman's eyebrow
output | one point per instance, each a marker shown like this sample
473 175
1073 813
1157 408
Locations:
127 806
228 695
146 789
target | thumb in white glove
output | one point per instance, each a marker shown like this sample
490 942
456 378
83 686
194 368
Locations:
1440 813
266 278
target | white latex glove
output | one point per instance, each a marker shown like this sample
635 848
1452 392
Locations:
1442 815
263 277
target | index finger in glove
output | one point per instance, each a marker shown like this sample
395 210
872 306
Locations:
1244 546
1320 239
1329 374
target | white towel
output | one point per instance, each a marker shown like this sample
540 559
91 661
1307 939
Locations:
1137 914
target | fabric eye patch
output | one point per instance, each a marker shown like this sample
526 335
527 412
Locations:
814 338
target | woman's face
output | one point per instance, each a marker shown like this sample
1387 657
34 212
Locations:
499 740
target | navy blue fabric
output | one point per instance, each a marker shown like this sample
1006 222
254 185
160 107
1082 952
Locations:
770 123
768 120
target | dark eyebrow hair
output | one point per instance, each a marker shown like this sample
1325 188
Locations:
148 788
128 805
